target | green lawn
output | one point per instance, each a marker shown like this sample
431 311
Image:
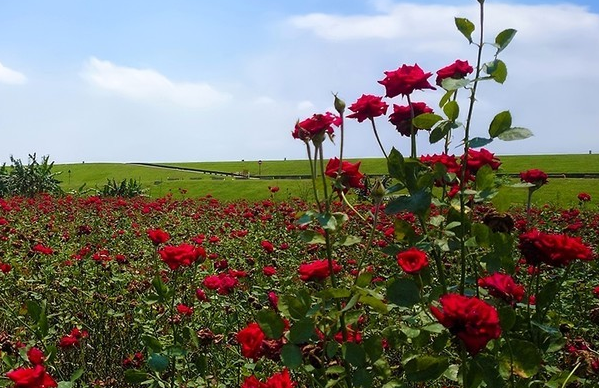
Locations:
159 181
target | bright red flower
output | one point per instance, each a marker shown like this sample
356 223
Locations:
405 80
269 270
267 246
557 250
273 299
316 126
35 377
184 310
350 177
250 338
72 339
402 116
478 159
317 270
584 197
224 283
534 176
158 236
44 250
280 380
181 255
596 292
368 107
201 295
412 261
252 382
5 267
273 189
473 321
35 356
458 69
502 286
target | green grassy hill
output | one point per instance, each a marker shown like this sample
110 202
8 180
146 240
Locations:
161 181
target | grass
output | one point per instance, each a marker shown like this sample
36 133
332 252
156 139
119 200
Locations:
159 182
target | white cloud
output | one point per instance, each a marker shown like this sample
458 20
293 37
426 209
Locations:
10 76
148 85
305 105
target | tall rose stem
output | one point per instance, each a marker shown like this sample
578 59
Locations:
376 135
413 153
464 166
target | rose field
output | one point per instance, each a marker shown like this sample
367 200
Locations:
444 270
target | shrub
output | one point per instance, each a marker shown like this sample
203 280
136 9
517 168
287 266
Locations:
29 180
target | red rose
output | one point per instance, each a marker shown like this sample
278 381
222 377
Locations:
184 310
596 292
273 299
35 377
181 255
584 197
315 126
350 174
405 80
478 159
557 250
269 271
273 189
35 356
458 69
158 236
5 267
449 161
368 107
502 286
402 116
317 270
251 339
201 295
280 380
473 321
252 382
412 261
267 246
534 176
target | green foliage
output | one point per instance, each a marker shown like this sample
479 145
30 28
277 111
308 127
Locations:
126 188
29 180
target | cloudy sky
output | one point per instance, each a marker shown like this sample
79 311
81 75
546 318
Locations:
195 80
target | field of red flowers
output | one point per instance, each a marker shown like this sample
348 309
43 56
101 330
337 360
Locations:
100 291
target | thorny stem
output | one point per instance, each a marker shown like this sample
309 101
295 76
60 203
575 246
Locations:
313 174
413 153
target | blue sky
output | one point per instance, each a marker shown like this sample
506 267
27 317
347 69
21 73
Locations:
226 80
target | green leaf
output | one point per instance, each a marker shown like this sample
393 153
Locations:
161 289
503 39
507 318
271 323
403 292
353 353
134 376
152 343
485 178
452 110
377 304
547 294
157 362
426 120
516 133
425 368
311 237
364 279
466 27
477 142
291 356
346 241
362 378
34 310
76 375
526 359
451 84
395 165
301 331
403 230
65 384
334 293
497 70
440 131
295 306
501 123
327 221
446 96
417 203
374 347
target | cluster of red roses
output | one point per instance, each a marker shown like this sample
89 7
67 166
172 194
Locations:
534 176
72 339
317 270
278 380
181 255
556 250
35 376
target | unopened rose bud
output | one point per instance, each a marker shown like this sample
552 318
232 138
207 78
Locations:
378 192
339 105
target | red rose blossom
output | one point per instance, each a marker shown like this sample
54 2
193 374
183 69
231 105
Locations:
158 236
557 250
534 176
368 107
35 377
402 116
412 261
181 255
317 270
267 246
584 197
458 69
250 338
184 310
35 356
502 286
473 321
316 126
478 159
405 80
350 177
